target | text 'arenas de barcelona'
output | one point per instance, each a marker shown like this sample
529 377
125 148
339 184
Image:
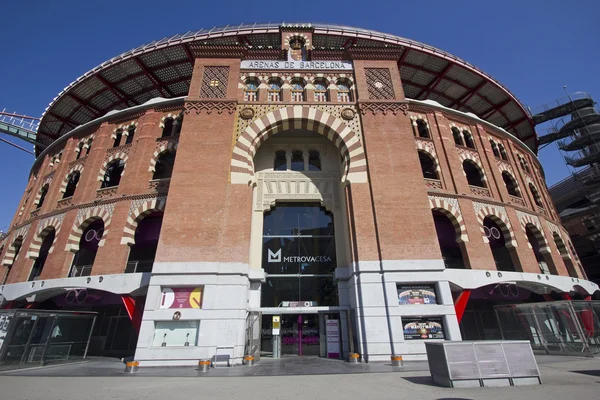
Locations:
355 191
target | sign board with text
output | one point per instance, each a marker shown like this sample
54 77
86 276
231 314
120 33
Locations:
291 65
182 297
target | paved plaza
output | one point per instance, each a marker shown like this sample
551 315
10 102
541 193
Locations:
563 377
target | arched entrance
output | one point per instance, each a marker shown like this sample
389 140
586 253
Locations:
504 257
299 238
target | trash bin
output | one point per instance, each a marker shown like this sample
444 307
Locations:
203 365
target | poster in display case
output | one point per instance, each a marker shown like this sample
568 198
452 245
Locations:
416 294
423 328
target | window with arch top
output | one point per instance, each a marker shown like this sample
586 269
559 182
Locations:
79 150
428 166
458 140
343 91
274 90
112 176
495 148
297 160
72 181
280 163
422 129
314 160
474 174
130 134
469 142
297 89
43 193
511 184
118 137
320 90
536 195
164 165
251 89
503 154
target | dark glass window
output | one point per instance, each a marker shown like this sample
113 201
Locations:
469 139
473 173
511 184
43 193
299 255
164 165
422 128
428 166
112 177
494 148
71 184
314 161
280 161
130 135
168 129
39 263
118 137
297 161
457 137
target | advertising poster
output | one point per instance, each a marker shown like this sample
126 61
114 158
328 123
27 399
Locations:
188 297
333 338
417 294
423 328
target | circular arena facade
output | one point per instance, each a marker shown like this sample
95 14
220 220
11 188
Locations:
286 189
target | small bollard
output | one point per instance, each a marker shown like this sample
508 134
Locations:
397 361
353 358
248 361
203 365
132 366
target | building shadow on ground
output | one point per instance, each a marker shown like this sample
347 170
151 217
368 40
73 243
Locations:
592 372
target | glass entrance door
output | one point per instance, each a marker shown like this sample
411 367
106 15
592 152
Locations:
300 335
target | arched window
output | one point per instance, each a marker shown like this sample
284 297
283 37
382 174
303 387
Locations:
494 148
468 139
314 160
502 254
118 137
40 261
143 251
130 134
422 128
89 146
280 163
297 161
172 126
321 90
503 154
545 264
251 89
562 249
428 166
17 244
526 166
452 252
164 165
343 91
274 90
113 173
297 89
457 137
473 173
511 184
72 182
79 150
88 247
43 193
536 195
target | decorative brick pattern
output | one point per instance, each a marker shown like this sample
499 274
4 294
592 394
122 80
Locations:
210 106
84 218
9 256
499 215
526 219
137 211
379 84
433 184
449 207
214 82
298 117
383 108
42 230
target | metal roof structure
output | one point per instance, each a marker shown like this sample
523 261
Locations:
163 68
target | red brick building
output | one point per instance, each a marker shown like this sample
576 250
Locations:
370 191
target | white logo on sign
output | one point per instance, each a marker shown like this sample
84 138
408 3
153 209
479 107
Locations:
274 257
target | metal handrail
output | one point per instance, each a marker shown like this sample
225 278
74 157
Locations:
139 266
81 270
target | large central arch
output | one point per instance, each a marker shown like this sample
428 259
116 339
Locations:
298 117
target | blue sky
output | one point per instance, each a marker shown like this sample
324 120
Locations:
533 47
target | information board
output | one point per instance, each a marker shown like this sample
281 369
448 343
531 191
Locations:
183 297
417 294
423 328
333 338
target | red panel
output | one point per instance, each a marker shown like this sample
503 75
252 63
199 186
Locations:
460 304
547 297
565 296
129 304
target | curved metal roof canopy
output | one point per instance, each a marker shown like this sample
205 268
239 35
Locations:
164 68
